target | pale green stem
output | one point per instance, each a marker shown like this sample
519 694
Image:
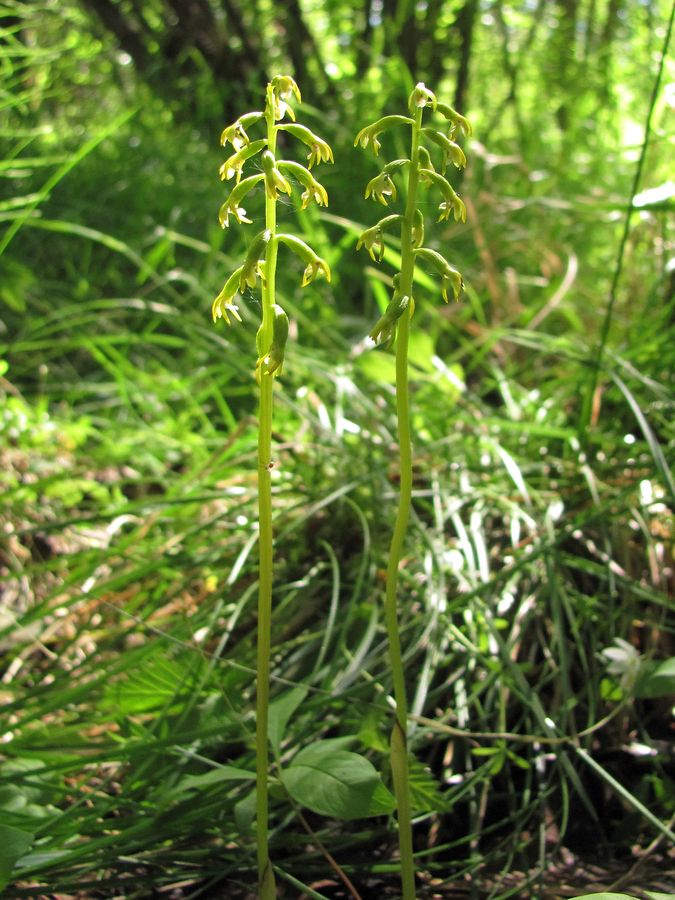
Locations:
266 888
399 749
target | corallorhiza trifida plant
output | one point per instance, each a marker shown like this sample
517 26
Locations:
274 175
395 324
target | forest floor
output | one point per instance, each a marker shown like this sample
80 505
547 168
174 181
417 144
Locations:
569 877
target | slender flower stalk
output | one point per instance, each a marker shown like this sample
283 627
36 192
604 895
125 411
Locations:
395 324
261 263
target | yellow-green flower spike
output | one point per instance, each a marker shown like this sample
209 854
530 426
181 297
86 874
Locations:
259 268
395 324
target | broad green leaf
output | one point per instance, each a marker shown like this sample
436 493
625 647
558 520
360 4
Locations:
604 895
214 776
280 711
14 844
156 683
370 735
378 366
337 783
424 793
421 350
656 679
244 813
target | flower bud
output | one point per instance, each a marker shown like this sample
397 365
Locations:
273 359
281 88
420 97
418 229
251 268
284 87
274 180
385 328
425 159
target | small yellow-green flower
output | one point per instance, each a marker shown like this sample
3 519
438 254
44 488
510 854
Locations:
452 280
231 209
222 306
319 151
236 135
316 192
283 88
313 268
454 206
372 240
456 119
313 189
313 263
452 152
420 97
250 272
450 277
235 164
381 187
369 134
221 309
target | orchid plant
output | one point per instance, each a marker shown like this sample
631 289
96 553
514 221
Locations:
394 324
277 177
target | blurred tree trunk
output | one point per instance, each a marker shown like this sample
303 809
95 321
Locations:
434 52
192 36
364 42
566 58
308 66
607 36
398 21
464 23
125 30
190 27
511 69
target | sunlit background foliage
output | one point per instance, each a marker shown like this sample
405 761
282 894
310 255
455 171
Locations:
537 621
